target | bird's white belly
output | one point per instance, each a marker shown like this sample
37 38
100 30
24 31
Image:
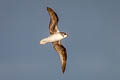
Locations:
55 37
52 38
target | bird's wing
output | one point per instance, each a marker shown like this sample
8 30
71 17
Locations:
53 21
61 50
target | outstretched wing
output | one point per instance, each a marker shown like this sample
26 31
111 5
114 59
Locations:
61 50
53 21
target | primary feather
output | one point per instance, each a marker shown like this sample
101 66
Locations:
55 37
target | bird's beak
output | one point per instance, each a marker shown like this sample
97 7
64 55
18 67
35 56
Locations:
67 35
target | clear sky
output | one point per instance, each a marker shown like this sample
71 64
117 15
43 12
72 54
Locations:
93 44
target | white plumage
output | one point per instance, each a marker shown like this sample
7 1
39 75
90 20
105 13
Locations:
55 37
52 38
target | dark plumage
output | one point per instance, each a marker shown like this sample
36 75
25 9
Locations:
60 49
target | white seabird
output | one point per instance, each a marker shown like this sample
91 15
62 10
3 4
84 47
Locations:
55 38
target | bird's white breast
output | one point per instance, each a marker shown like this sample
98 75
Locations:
52 38
55 37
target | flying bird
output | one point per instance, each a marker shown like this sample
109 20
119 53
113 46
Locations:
55 38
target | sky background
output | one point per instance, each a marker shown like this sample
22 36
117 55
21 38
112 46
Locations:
93 45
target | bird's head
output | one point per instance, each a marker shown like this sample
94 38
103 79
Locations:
64 34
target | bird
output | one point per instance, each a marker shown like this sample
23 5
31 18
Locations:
55 38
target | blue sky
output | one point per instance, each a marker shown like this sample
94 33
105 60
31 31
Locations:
93 45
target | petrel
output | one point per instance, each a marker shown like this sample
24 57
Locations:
55 38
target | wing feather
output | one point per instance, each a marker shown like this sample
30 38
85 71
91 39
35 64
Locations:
61 50
53 21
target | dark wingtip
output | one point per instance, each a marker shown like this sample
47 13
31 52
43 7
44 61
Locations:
49 9
63 67
63 70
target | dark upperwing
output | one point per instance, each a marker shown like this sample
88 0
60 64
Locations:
61 50
53 21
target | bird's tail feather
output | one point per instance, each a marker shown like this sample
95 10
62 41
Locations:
44 41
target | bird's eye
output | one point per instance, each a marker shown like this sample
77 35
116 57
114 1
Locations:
65 34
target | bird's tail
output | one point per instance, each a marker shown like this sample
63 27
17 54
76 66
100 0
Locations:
44 41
